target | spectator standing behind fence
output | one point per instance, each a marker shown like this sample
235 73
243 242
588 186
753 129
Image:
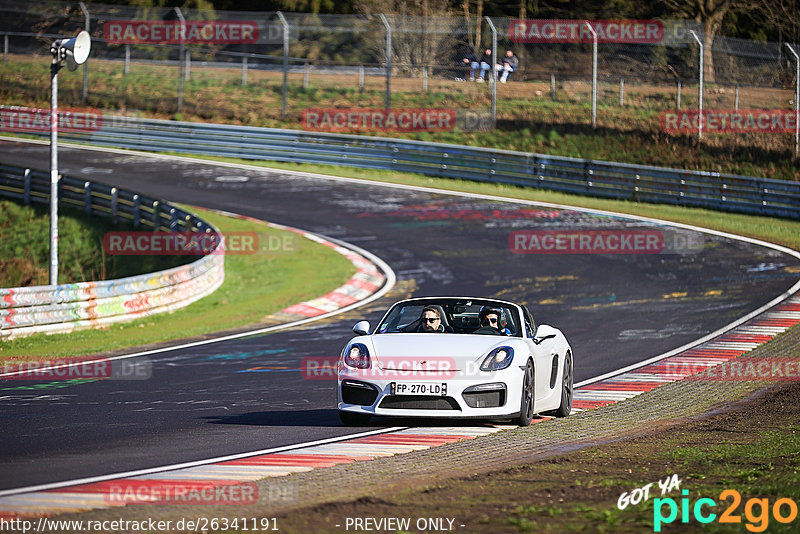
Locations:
508 64
486 64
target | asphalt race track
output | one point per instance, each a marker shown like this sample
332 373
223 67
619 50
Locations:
237 396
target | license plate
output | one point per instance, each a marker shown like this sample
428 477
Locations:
419 388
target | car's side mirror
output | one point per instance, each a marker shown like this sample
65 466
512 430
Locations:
361 328
544 332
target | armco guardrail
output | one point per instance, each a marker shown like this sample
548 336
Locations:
587 177
27 310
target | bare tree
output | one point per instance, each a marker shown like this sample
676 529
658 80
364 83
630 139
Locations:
710 14
421 31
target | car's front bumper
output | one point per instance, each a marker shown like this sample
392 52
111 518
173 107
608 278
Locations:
494 395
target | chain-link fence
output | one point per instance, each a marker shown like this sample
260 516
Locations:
302 70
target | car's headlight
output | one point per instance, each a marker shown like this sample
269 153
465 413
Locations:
499 358
357 356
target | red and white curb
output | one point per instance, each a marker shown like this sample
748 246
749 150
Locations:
151 488
367 280
721 349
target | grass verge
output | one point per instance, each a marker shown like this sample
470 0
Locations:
255 286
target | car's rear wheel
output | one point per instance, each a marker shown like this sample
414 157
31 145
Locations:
567 388
354 419
526 401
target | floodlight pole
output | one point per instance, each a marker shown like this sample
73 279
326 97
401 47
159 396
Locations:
87 27
54 68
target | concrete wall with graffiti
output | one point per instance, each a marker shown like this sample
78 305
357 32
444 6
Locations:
66 307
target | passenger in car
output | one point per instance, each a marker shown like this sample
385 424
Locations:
491 322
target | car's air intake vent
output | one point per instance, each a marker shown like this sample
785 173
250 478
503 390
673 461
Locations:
417 402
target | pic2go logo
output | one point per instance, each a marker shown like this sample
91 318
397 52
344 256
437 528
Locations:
758 520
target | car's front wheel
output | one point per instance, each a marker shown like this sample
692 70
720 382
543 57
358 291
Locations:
526 401
354 419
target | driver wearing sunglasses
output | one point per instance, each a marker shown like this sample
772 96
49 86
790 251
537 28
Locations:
430 320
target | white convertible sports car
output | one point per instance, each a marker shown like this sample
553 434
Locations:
455 357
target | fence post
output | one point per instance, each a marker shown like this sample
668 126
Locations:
553 87
736 100
180 58
796 98
244 70
425 79
679 95
700 89
594 73
127 68
361 78
27 186
493 73
5 48
87 24
621 92
187 74
388 60
306 68
285 61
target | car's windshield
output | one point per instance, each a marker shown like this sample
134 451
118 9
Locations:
459 316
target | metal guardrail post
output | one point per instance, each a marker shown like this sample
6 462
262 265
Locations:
796 99
156 215
27 186
285 25
87 197
137 211
114 204
700 89
87 27
180 57
388 60
594 73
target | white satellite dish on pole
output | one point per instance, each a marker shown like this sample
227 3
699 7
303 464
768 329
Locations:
75 51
